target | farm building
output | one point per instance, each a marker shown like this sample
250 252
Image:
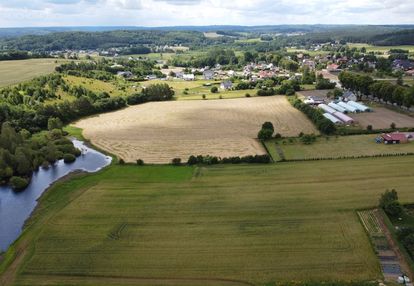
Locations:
359 106
348 107
226 85
394 138
313 100
326 108
189 76
337 107
348 95
332 118
345 118
208 74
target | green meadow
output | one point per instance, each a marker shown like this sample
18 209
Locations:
218 225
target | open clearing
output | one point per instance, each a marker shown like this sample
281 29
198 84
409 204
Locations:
163 225
334 147
382 118
13 72
159 131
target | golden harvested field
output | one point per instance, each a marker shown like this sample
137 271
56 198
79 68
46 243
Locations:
382 118
159 131
13 72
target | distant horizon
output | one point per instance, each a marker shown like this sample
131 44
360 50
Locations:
173 13
196 26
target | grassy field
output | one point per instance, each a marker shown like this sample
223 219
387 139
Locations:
381 49
190 90
333 147
13 72
222 225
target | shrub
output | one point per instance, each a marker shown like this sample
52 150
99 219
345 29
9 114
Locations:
393 126
203 96
69 158
176 161
265 134
121 162
390 204
140 162
369 127
247 95
192 160
308 139
214 89
18 183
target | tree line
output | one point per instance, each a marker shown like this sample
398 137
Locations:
364 85
22 153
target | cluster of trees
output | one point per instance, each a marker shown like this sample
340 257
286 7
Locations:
390 204
323 83
213 57
385 90
24 107
357 83
105 69
20 55
266 132
323 124
287 87
21 153
213 160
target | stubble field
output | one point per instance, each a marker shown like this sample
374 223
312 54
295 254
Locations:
159 131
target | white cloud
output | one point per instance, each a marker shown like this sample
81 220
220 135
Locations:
203 12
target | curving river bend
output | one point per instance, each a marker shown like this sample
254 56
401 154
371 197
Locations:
16 207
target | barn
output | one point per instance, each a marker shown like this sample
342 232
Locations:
394 138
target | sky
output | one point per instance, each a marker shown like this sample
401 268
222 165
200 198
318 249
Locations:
152 13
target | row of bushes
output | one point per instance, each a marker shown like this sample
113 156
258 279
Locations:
346 132
323 124
212 160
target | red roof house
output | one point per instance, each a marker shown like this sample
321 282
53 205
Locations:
394 138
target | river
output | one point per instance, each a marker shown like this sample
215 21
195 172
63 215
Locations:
16 207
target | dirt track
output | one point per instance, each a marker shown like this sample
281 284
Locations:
159 131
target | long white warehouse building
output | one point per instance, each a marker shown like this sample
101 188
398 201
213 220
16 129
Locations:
337 107
326 108
359 106
343 117
332 118
348 107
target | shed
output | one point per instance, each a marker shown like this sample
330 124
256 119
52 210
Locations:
337 107
332 118
348 107
326 108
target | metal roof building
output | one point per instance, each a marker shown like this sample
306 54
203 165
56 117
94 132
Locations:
337 107
332 118
359 106
344 118
326 108
348 107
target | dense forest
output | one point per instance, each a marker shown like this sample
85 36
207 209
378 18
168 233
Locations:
105 40
273 37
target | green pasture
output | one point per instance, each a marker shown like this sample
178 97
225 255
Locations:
13 72
333 147
219 225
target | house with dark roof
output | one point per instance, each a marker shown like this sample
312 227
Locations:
226 84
